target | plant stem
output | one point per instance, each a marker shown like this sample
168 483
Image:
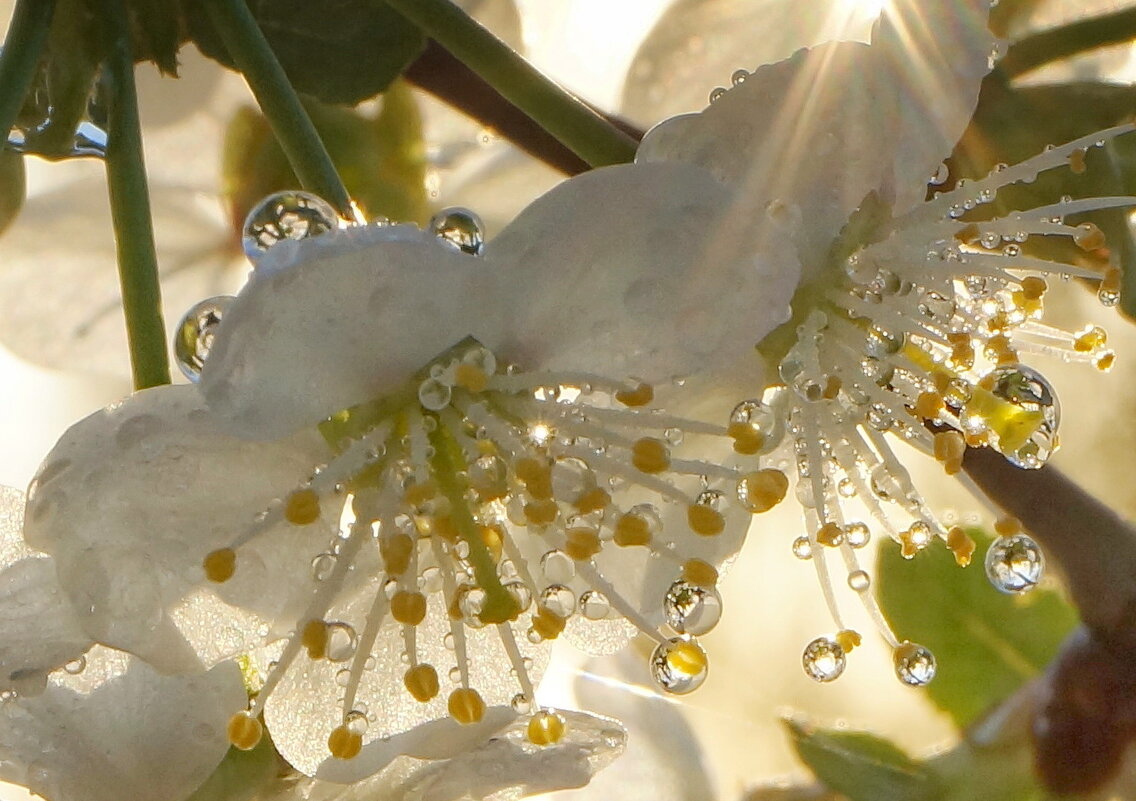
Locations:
130 208
281 105
1041 48
22 47
562 114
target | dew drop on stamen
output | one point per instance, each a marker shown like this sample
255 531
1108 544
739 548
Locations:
857 534
679 665
594 605
691 608
341 640
460 228
1014 564
285 215
1023 417
434 395
802 548
558 567
521 704
322 565
559 600
823 660
859 580
193 337
914 664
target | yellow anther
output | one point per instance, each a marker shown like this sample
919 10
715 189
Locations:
968 234
949 447
942 381
466 705
344 743
1090 340
650 455
581 543
592 500
961 545
1089 237
541 513
699 573
545 728
302 507
445 528
536 475
421 682
929 405
408 607
632 529
1077 161
1033 287
705 520
978 439
639 396
903 652
396 551
748 439
1105 361
1028 306
470 377
830 534
832 385
244 731
314 638
1012 424
761 490
420 492
1007 526
688 658
494 542
220 565
999 321
548 624
848 640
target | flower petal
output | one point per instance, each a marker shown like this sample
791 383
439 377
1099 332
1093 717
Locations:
635 269
131 500
118 730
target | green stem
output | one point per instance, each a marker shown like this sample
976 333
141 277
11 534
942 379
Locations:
22 47
563 115
1033 51
279 102
130 208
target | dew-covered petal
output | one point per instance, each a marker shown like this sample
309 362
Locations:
131 500
334 320
637 270
118 730
39 631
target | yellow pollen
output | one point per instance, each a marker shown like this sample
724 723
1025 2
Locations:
650 455
470 377
396 551
545 728
764 489
344 743
705 521
581 543
541 513
979 439
244 731
748 439
1007 526
548 624
941 380
408 607
466 705
929 405
640 396
314 638
491 536
1090 238
1105 362
302 507
592 500
632 529
699 573
688 658
830 534
1033 287
1077 161
848 639
422 682
420 492
1028 306
961 545
949 447
1090 340
536 475
903 652
1012 424
220 565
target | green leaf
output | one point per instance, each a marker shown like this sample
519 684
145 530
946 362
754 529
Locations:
987 644
381 157
241 774
338 51
862 766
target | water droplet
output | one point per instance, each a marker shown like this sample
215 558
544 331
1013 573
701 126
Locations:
679 665
739 76
461 228
692 609
76 665
559 600
802 548
434 395
1014 564
859 580
558 567
432 580
343 677
762 417
934 306
193 337
322 565
823 659
857 534
717 93
914 664
594 605
455 674
940 176
285 215
520 592
356 721
341 641
1023 427
521 704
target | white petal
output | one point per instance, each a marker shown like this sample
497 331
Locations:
131 734
637 270
335 320
131 500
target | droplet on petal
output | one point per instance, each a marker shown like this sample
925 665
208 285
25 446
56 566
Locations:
1014 564
285 215
194 335
461 228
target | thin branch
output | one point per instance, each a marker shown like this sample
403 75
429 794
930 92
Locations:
23 45
1045 47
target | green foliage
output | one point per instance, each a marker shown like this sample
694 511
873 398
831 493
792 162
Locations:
241 774
337 51
987 644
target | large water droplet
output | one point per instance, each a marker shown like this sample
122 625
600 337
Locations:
914 664
285 215
194 335
1022 419
559 600
461 228
679 665
1014 564
823 659
595 605
692 609
341 639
